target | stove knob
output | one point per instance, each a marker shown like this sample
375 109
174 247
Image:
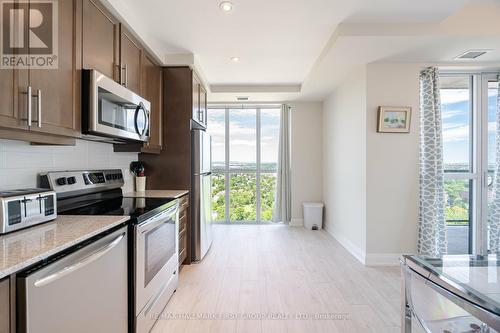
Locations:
71 180
61 181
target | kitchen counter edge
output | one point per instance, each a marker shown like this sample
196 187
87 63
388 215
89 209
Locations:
22 248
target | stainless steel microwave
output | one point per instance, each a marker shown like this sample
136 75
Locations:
110 110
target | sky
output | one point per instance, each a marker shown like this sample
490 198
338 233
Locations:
243 135
456 125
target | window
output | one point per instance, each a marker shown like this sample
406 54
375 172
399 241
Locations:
469 108
457 114
245 155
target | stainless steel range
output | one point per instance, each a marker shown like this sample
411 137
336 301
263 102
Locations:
25 208
153 246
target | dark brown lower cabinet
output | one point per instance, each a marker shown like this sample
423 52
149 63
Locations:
5 305
184 230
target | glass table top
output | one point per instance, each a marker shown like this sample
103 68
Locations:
476 276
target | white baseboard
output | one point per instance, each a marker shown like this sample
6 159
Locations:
296 222
352 248
382 259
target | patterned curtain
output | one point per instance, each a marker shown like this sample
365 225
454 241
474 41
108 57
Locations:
432 224
494 207
283 202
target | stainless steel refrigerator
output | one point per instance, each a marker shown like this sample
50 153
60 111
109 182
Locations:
201 194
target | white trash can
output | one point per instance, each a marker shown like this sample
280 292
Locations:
313 215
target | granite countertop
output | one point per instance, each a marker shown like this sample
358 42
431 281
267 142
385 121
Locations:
157 194
22 248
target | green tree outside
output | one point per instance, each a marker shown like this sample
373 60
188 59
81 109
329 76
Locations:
243 200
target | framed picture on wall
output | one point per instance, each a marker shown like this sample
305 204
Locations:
394 119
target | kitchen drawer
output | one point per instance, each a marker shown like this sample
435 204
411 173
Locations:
183 202
182 222
182 248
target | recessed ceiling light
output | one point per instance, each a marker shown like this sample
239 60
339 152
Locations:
226 6
235 59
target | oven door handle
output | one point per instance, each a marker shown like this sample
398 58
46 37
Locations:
83 262
158 219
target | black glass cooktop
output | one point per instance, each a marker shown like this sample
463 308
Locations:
138 209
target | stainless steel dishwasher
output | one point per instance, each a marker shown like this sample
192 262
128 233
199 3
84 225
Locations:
83 291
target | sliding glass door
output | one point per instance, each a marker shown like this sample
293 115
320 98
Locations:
245 154
469 110
457 107
491 138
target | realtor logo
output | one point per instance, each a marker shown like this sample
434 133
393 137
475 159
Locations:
29 31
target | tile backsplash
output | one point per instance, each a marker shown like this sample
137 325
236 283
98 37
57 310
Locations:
20 162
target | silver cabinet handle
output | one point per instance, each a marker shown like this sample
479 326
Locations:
86 260
126 75
29 105
39 107
124 80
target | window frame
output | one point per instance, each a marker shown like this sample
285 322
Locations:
228 171
478 150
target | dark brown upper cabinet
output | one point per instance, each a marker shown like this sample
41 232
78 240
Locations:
203 104
152 91
199 102
56 92
89 37
13 108
46 101
100 40
151 84
130 61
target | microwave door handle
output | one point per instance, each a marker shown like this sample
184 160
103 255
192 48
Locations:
146 120
136 125
147 128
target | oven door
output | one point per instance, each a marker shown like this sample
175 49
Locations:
156 257
116 111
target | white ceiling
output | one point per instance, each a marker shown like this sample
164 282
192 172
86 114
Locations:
295 42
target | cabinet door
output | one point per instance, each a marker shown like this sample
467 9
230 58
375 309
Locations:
13 88
151 84
5 306
203 105
100 42
196 98
13 106
130 61
57 91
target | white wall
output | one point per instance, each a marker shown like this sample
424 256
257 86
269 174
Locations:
392 165
20 162
306 156
344 162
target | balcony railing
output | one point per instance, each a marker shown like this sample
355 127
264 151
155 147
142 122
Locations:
458 236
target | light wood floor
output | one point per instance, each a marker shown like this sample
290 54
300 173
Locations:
265 270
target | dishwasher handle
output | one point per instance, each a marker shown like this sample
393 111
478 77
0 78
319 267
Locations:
83 262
